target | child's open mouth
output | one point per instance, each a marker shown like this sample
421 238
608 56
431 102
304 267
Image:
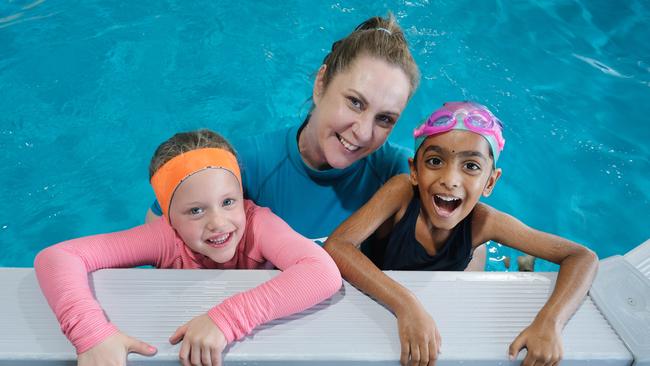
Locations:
218 241
445 205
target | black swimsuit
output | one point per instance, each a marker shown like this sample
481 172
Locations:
401 251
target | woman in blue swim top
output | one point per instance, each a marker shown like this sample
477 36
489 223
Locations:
316 174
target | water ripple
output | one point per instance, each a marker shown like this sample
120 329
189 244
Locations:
27 19
601 66
33 5
11 17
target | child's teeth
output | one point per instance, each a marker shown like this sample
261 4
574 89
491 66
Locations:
219 239
448 199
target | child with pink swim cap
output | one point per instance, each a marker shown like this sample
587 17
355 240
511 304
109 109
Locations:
206 223
432 219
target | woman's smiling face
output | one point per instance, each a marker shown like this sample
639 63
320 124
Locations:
355 113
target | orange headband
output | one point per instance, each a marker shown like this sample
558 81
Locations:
175 171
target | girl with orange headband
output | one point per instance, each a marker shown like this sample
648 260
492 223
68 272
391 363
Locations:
206 224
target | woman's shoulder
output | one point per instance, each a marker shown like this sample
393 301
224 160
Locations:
390 159
391 151
259 155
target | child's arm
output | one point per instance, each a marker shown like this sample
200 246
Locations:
308 277
62 272
418 333
578 266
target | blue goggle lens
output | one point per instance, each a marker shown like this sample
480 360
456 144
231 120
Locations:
478 120
440 121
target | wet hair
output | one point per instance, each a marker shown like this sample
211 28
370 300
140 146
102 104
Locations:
378 37
186 141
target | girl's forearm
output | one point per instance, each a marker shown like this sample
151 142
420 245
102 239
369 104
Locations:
574 279
62 272
299 287
63 278
308 277
357 269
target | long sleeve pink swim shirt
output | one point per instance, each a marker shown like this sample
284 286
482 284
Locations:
308 275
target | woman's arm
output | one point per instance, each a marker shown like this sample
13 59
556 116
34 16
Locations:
578 266
419 336
308 277
62 272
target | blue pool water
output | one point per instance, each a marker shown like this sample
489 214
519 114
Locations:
89 89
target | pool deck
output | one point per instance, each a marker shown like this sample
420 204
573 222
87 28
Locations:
478 315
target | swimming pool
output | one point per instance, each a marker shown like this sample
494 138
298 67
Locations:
88 90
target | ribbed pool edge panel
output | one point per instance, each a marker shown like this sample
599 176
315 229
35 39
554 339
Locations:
478 315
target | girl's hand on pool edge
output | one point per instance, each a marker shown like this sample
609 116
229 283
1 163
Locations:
203 342
419 336
114 350
543 341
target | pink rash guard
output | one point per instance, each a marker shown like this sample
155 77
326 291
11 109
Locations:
308 275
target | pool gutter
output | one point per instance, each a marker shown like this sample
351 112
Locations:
478 315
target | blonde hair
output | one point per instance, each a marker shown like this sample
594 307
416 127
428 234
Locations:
186 141
377 37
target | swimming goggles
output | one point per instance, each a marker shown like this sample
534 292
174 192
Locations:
467 116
